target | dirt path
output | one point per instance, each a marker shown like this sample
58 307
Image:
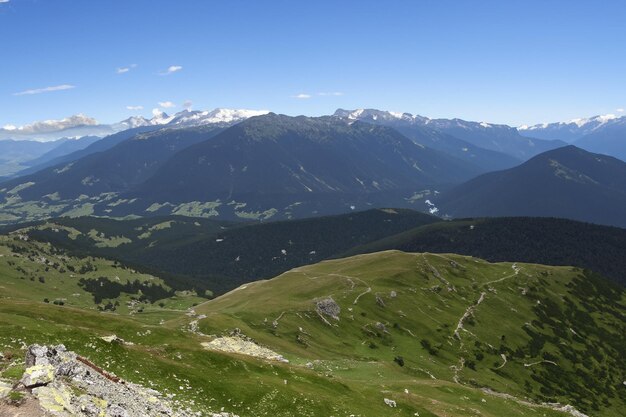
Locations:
516 271
467 313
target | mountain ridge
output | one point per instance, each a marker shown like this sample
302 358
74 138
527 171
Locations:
566 182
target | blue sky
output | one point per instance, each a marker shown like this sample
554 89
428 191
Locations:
509 62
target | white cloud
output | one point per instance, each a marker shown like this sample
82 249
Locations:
166 104
4 1
302 96
157 112
334 94
134 108
123 70
187 104
45 90
172 69
8 127
620 110
54 125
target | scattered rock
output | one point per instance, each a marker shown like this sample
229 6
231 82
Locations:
393 294
380 301
66 384
328 307
116 339
390 403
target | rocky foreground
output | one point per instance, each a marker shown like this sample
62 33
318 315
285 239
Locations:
65 384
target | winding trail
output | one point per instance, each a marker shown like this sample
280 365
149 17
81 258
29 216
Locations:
356 300
528 365
467 313
516 271
503 356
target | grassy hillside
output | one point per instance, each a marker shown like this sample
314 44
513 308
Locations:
543 333
545 241
42 273
394 338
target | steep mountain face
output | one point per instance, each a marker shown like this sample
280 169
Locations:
414 127
566 182
128 163
571 130
270 162
115 133
496 138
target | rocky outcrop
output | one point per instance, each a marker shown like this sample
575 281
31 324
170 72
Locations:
66 384
328 307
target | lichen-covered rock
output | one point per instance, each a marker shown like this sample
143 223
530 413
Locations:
55 399
38 375
5 388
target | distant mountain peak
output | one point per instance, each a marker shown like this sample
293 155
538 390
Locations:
574 129
581 123
188 118
376 115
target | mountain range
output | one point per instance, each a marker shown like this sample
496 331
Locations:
245 165
82 125
277 159
490 145
601 134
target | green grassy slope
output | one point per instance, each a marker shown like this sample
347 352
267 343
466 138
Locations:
39 272
394 305
560 330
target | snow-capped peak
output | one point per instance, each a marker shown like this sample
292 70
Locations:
580 122
187 118
376 115
589 122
